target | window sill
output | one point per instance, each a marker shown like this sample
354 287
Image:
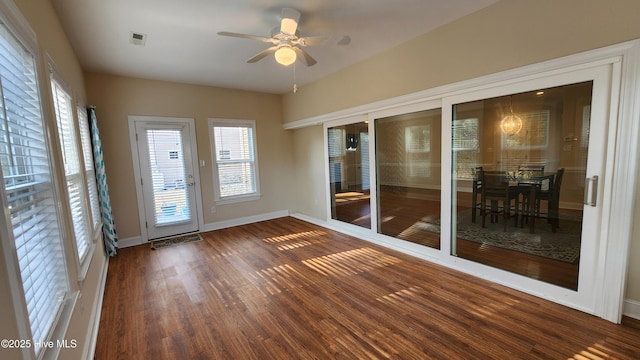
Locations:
84 263
237 199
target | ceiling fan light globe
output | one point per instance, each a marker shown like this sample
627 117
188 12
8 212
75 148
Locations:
285 56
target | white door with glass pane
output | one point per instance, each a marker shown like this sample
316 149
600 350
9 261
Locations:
167 176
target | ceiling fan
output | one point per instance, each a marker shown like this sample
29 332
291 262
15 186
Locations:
286 41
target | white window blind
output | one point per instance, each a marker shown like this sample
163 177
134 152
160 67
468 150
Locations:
236 163
169 174
90 171
466 146
28 190
72 168
336 138
418 139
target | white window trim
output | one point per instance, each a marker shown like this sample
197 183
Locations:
82 263
219 200
96 226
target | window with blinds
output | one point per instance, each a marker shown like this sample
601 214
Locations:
72 169
465 143
336 137
28 195
534 133
236 164
89 168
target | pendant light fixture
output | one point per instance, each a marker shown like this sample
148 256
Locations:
511 124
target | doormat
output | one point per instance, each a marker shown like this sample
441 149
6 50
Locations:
175 241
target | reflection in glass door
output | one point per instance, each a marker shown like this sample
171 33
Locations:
349 173
519 167
408 176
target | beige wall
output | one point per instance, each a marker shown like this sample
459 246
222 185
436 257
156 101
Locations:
118 97
507 35
53 43
308 147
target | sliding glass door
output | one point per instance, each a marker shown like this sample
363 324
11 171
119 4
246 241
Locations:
519 169
504 181
408 176
527 172
348 151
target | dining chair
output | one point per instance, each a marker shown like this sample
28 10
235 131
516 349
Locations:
552 197
476 191
528 171
497 196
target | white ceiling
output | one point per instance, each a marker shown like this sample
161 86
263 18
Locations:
182 44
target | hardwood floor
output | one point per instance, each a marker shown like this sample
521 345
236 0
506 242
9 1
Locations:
287 289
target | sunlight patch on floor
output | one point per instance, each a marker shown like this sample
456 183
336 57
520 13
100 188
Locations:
280 278
350 262
591 353
492 308
399 297
295 236
387 218
295 245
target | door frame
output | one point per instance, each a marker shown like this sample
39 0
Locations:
135 158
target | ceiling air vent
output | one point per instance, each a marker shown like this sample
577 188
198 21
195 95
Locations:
137 38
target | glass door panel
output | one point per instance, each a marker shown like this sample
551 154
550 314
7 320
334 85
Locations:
167 176
518 169
408 152
349 173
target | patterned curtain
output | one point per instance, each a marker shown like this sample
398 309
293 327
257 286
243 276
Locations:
108 225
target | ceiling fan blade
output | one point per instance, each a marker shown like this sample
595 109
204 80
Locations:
306 58
263 54
311 40
245 36
289 22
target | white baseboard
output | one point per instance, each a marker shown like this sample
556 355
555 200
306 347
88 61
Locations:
96 312
137 240
631 308
128 242
245 220
310 219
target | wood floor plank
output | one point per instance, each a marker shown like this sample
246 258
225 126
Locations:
287 289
